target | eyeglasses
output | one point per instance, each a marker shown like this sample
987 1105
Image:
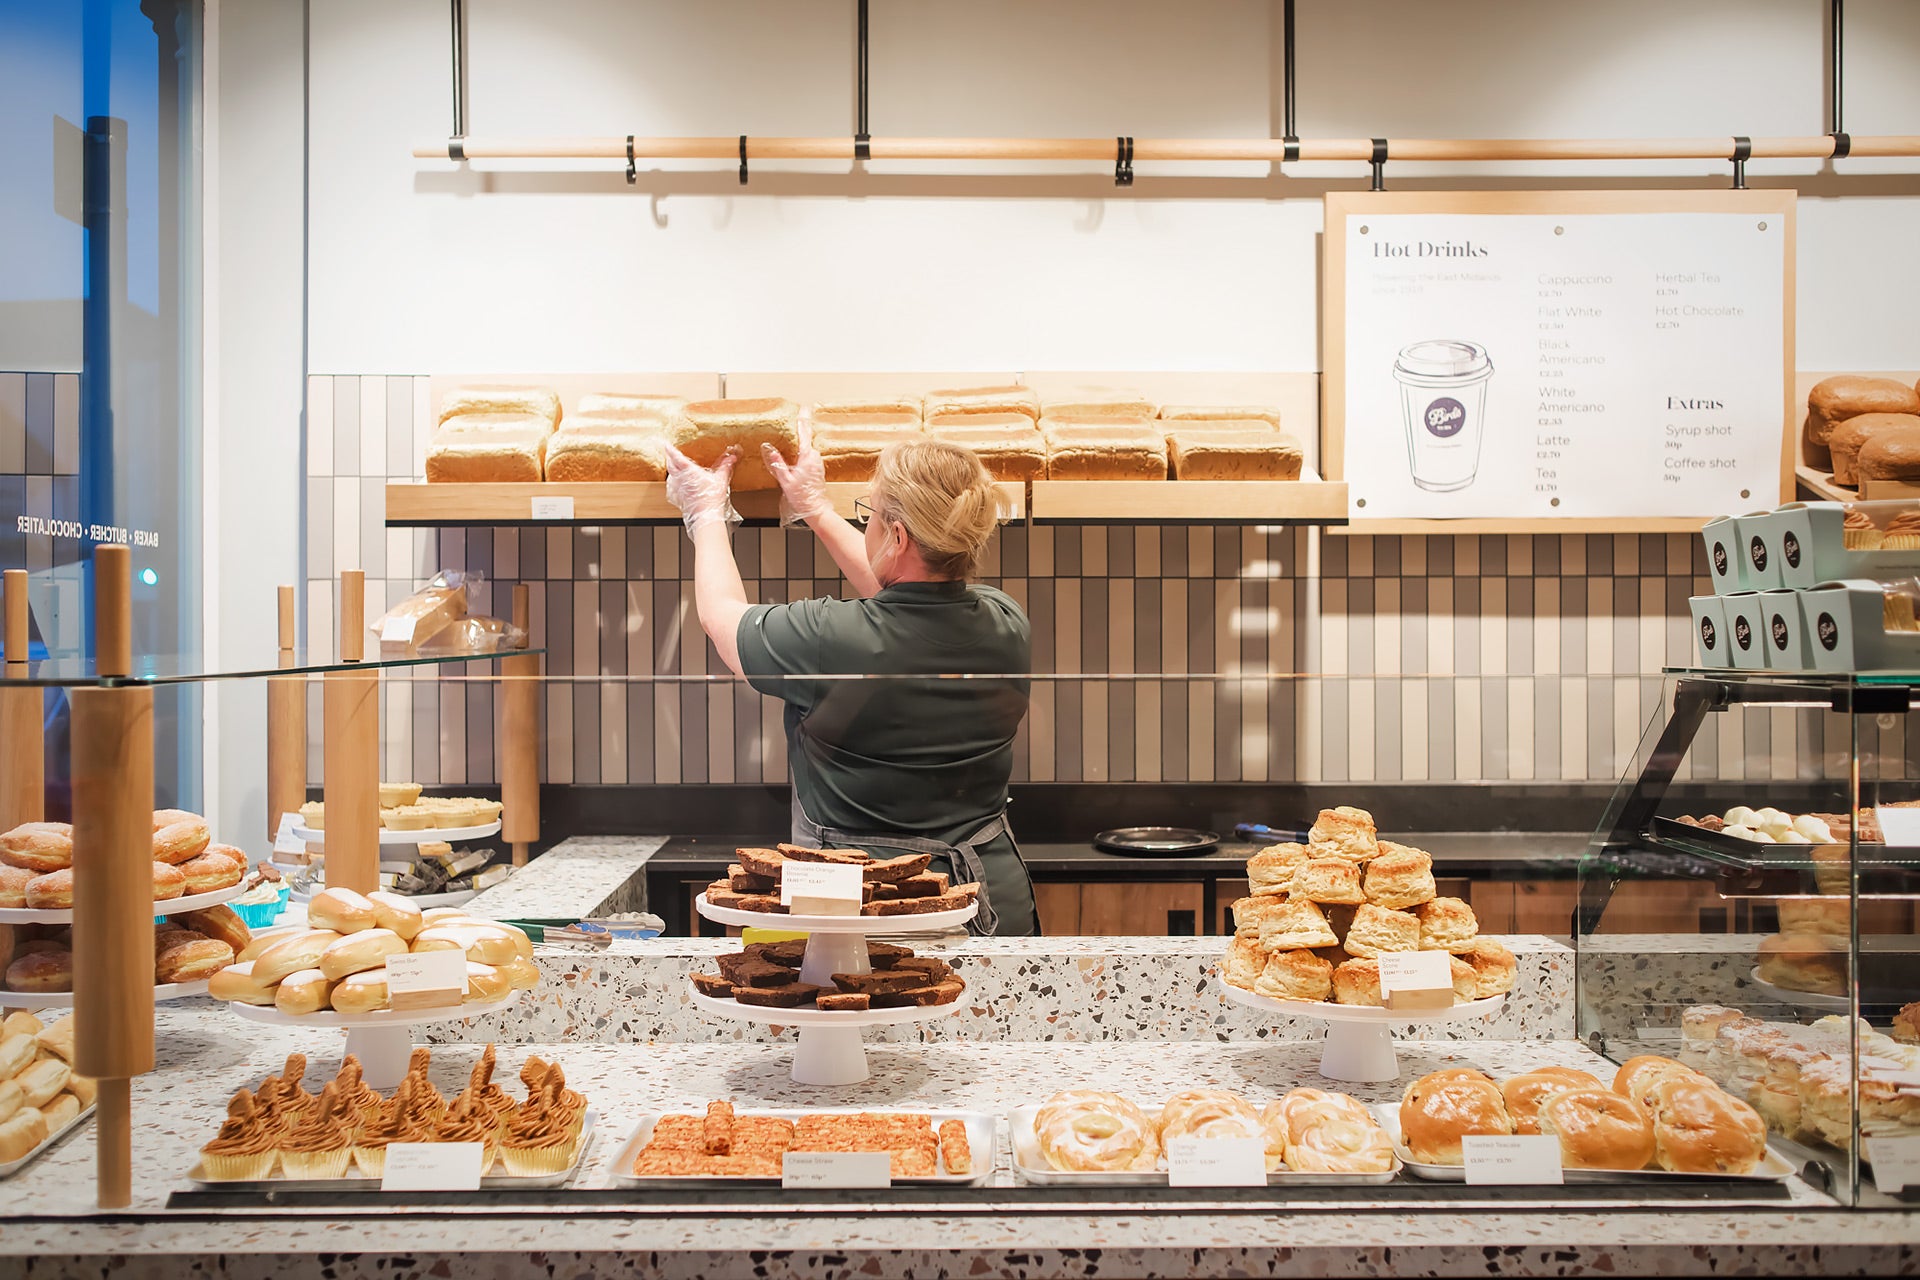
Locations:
862 511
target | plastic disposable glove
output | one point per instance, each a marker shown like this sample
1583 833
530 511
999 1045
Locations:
701 493
803 485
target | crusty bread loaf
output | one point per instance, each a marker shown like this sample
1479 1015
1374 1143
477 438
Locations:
623 405
868 404
1108 404
708 428
610 452
850 443
1851 435
1892 454
1834 400
538 401
1259 454
483 448
1007 444
1116 449
1269 414
1022 400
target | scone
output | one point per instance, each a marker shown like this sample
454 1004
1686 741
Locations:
1357 982
1250 912
1272 869
1400 877
1493 968
1446 924
1242 964
1376 929
1344 832
1328 880
1295 975
1295 923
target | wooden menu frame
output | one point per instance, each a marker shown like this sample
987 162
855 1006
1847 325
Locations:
1341 204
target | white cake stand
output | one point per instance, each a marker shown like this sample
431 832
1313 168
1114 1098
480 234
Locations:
64 999
1359 1044
1801 999
830 1051
161 907
382 1041
424 835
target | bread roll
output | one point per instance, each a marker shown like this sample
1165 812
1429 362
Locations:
20 1020
293 953
60 1112
194 961
342 910
485 946
711 427
367 949
363 992
1116 449
534 402
43 1080
861 406
82 1088
17 1053
622 404
1804 962
522 975
1439 1109
12 1098
21 1133
392 911
468 451
1269 414
302 992
1234 455
266 938
1892 453
969 400
57 1039
1850 436
1524 1093
1008 445
1598 1129
236 984
606 453
1843 396
1700 1128
486 983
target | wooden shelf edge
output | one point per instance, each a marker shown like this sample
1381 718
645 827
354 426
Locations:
1572 524
415 503
1223 501
1821 483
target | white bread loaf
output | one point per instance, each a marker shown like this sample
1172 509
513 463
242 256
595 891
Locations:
1100 403
607 452
1266 413
620 405
479 449
1257 454
710 427
1022 400
536 401
1116 449
1007 444
868 404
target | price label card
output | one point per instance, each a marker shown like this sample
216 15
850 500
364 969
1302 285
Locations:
1415 971
433 1166
284 841
397 631
825 1170
1896 1162
553 508
822 881
1516 1160
426 979
1216 1162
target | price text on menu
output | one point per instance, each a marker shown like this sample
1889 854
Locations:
1523 360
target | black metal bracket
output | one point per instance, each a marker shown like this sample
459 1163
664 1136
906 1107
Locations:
743 159
1742 149
1842 146
1836 40
862 150
861 137
630 173
1379 163
1123 162
456 148
1289 150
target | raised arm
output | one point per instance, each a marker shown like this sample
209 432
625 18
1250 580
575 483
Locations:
719 597
804 485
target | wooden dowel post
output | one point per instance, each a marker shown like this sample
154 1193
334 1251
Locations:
23 732
520 741
113 877
286 727
351 755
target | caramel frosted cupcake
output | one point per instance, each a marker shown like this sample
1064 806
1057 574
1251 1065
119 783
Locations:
538 1141
319 1145
1903 532
1857 532
391 1124
467 1120
359 1099
425 1101
246 1148
483 1090
289 1094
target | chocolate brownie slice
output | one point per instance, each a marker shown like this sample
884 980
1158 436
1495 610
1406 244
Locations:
790 996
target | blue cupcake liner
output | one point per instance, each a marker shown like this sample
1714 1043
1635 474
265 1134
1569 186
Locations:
258 915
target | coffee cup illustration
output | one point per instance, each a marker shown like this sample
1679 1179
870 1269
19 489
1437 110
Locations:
1443 396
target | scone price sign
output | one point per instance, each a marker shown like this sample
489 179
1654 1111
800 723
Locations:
1535 356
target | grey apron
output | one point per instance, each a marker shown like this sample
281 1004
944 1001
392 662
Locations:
964 857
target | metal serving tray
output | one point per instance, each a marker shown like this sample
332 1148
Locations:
980 1139
1033 1168
12 1167
354 1180
1775 1168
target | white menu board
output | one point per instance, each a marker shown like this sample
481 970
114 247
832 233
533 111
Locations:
1536 356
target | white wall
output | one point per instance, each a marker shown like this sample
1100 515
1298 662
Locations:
254 386
420 266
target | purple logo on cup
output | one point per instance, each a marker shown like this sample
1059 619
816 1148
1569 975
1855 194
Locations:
1446 416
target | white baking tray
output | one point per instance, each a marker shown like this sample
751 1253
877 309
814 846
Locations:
12 1167
1031 1164
1775 1168
354 1180
980 1138
162 907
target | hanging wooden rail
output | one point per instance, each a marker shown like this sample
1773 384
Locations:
1175 149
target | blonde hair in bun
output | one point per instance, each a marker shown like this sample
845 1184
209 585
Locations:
943 496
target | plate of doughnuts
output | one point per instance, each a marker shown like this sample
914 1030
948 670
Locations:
189 869
1090 1137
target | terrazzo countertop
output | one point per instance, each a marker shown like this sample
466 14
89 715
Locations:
1404 1228
577 878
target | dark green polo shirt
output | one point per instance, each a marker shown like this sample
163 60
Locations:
927 757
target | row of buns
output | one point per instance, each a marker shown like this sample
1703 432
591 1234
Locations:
521 434
40 1093
338 961
36 861
1304 1131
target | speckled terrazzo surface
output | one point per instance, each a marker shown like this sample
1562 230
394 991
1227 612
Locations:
202 1059
575 879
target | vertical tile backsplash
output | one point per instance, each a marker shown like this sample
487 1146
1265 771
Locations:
1461 658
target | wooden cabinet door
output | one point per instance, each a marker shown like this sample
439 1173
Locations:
1141 910
1059 907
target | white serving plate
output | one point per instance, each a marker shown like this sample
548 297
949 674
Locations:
1775 1168
381 1018
854 1018
64 999
426 835
909 924
354 1180
1031 1164
161 907
1803 999
11 1167
1327 1011
980 1133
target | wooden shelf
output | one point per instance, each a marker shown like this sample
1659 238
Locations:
415 503
1225 501
1821 484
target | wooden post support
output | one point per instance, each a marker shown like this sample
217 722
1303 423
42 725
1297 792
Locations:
350 761
23 732
113 877
520 740
286 728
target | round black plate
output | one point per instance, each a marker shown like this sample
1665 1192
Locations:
1157 842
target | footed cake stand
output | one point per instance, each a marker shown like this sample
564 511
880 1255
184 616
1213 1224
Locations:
830 1051
383 1041
1359 1044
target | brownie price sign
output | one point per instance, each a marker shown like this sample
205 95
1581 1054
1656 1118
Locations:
1541 356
